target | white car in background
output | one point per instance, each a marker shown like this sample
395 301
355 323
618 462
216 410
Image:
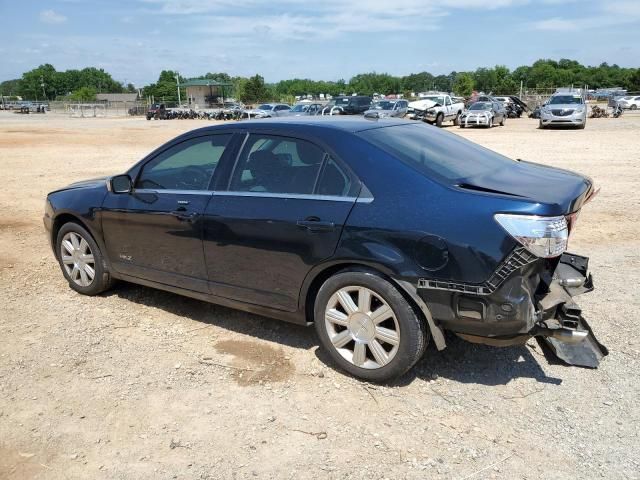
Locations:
630 102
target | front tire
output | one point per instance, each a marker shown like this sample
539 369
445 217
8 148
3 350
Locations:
81 261
503 121
368 328
541 125
439 119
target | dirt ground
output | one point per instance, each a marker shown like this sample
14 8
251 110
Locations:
139 383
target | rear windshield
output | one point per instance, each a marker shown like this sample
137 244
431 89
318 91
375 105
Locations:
565 99
433 152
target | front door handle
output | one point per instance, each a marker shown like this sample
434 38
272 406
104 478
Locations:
315 225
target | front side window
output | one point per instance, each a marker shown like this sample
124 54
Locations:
186 166
274 164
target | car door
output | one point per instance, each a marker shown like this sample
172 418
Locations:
155 231
281 213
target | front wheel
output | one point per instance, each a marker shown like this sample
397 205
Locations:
81 260
439 119
503 121
367 326
541 125
490 125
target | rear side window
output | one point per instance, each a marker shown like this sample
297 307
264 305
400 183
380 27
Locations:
435 153
188 165
334 180
274 164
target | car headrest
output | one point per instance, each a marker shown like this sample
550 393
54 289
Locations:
308 153
263 163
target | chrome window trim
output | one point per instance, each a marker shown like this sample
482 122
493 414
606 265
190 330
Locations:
293 196
172 191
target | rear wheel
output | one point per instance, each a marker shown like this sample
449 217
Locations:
541 125
367 326
456 121
503 121
81 261
634 107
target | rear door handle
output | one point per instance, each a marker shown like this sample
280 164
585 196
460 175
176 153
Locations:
316 225
184 216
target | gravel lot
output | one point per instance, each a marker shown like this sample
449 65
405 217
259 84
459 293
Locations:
140 383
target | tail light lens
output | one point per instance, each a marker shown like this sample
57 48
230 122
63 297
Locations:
545 237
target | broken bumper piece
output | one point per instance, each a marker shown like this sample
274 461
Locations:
562 328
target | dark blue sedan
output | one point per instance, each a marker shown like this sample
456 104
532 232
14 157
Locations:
382 233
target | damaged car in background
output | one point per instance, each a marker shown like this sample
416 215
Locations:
314 220
436 109
484 114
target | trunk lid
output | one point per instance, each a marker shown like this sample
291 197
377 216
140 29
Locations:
557 191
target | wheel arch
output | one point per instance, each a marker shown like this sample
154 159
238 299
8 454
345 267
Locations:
315 280
67 217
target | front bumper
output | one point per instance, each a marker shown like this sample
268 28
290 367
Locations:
526 297
575 119
475 120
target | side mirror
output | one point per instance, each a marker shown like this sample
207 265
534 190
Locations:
121 184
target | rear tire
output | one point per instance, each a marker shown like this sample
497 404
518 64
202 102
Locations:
456 121
367 327
81 260
503 121
540 125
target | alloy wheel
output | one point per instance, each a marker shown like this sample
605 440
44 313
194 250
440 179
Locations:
77 259
362 327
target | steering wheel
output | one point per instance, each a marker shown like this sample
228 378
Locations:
195 177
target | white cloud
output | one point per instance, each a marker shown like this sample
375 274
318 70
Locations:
555 24
51 17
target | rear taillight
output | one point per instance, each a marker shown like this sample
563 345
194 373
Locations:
545 237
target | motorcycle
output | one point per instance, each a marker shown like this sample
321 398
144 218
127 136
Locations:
617 111
598 112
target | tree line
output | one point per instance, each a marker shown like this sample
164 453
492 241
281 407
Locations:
45 82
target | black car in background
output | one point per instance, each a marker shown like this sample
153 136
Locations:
382 233
347 105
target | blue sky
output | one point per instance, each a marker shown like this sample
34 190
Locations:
323 39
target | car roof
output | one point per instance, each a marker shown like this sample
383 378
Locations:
325 122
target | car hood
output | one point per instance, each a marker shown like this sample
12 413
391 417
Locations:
422 104
552 190
565 106
93 182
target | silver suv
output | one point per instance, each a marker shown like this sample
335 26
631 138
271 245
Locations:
564 109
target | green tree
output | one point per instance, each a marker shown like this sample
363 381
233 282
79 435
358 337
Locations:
84 94
254 90
463 84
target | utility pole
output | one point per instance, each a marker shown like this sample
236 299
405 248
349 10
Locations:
178 83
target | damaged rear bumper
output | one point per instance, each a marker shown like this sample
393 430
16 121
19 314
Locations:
529 301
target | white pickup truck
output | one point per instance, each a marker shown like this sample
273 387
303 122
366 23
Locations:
437 108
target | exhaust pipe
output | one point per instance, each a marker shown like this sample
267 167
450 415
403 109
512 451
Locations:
564 335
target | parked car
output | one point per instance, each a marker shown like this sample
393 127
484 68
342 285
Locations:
436 109
484 114
564 109
157 111
315 220
630 103
347 105
306 109
268 110
387 108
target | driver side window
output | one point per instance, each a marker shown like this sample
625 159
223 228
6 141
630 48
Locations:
186 166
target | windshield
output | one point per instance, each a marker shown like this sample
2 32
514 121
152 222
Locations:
565 100
383 105
265 106
435 99
480 106
299 108
433 152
